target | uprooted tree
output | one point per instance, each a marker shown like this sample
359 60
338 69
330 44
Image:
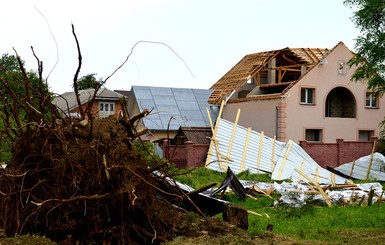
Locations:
80 182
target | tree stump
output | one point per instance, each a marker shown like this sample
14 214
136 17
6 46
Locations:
235 215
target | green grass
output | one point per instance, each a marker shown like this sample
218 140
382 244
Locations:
314 221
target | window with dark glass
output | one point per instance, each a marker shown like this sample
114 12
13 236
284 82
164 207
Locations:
371 100
313 135
307 95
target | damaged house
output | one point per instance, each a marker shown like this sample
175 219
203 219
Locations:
300 94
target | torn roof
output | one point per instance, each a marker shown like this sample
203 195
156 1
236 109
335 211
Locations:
174 107
287 59
67 101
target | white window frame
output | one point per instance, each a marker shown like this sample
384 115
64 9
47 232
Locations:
371 100
306 100
105 108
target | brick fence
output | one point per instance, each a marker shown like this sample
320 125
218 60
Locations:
335 154
188 155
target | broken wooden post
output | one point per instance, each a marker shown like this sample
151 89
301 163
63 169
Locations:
370 196
370 161
235 215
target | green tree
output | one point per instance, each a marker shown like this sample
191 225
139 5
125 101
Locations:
87 81
20 92
369 18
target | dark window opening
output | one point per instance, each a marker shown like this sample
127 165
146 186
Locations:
340 102
313 135
365 135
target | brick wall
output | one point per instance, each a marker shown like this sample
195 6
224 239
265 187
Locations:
187 155
335 154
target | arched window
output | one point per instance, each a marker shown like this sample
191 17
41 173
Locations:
340 102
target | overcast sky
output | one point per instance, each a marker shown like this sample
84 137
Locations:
204 38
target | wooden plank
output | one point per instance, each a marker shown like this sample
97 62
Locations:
284 161
245 149
232 138
351 170
272 155
214 143
260 150
370 161
326 197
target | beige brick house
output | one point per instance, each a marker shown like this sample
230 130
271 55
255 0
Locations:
300 94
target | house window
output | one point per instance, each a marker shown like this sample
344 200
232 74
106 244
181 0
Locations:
313 135
106 109
307 95
342 67
365 135
371 100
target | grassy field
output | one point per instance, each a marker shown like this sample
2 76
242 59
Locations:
355 224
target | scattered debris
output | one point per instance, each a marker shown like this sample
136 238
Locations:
233 183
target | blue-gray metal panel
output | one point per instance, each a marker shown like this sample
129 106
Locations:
153 123
164 100
161 91
145 104
168 110
189 105
184 95
142 92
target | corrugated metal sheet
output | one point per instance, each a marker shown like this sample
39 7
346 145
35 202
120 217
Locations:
245 149
360 168
292 157
255 155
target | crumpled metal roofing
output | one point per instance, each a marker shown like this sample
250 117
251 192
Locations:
293 157
359 170
244 149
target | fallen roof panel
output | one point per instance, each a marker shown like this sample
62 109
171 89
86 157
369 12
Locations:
359 169
244 149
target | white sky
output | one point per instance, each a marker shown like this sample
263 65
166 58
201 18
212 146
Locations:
211 36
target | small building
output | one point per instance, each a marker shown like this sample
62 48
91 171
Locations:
189 147
106 102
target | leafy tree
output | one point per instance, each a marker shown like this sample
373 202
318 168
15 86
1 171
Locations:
19 90
87 81
369 18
